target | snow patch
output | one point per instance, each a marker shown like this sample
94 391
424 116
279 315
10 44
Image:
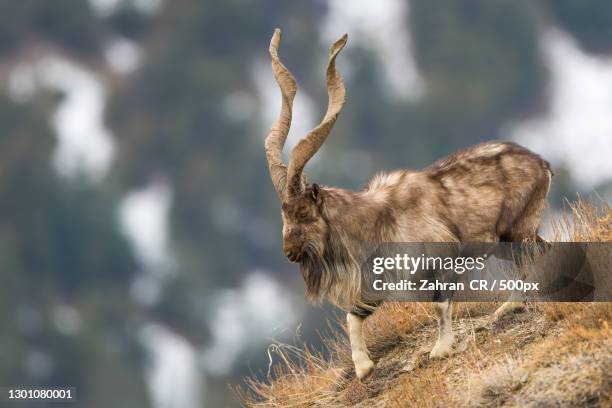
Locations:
577 130
383 27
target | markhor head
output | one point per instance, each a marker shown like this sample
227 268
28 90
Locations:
305 230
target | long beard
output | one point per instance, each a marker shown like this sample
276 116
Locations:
332 274
315 270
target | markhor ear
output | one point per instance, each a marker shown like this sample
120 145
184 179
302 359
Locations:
315 193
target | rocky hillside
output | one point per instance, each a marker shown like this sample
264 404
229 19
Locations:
549 354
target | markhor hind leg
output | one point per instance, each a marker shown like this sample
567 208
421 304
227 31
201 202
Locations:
525 228
526 225
508 307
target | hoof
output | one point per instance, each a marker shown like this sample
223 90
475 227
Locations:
439 352
442 349
364 369
508 308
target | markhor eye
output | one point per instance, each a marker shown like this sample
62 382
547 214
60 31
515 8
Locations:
303 215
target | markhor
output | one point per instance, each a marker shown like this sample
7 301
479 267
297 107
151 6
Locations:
437 285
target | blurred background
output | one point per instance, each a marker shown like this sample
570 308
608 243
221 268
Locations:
139 231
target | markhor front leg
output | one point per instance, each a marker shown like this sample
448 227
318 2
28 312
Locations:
359 352
443 346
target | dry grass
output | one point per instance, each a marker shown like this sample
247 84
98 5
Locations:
554 354
584 221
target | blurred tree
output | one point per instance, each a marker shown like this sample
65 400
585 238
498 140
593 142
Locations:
483 67
69 23
64 268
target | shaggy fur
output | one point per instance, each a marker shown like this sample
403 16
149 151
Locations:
490 192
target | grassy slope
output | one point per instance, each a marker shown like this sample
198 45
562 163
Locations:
552 354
